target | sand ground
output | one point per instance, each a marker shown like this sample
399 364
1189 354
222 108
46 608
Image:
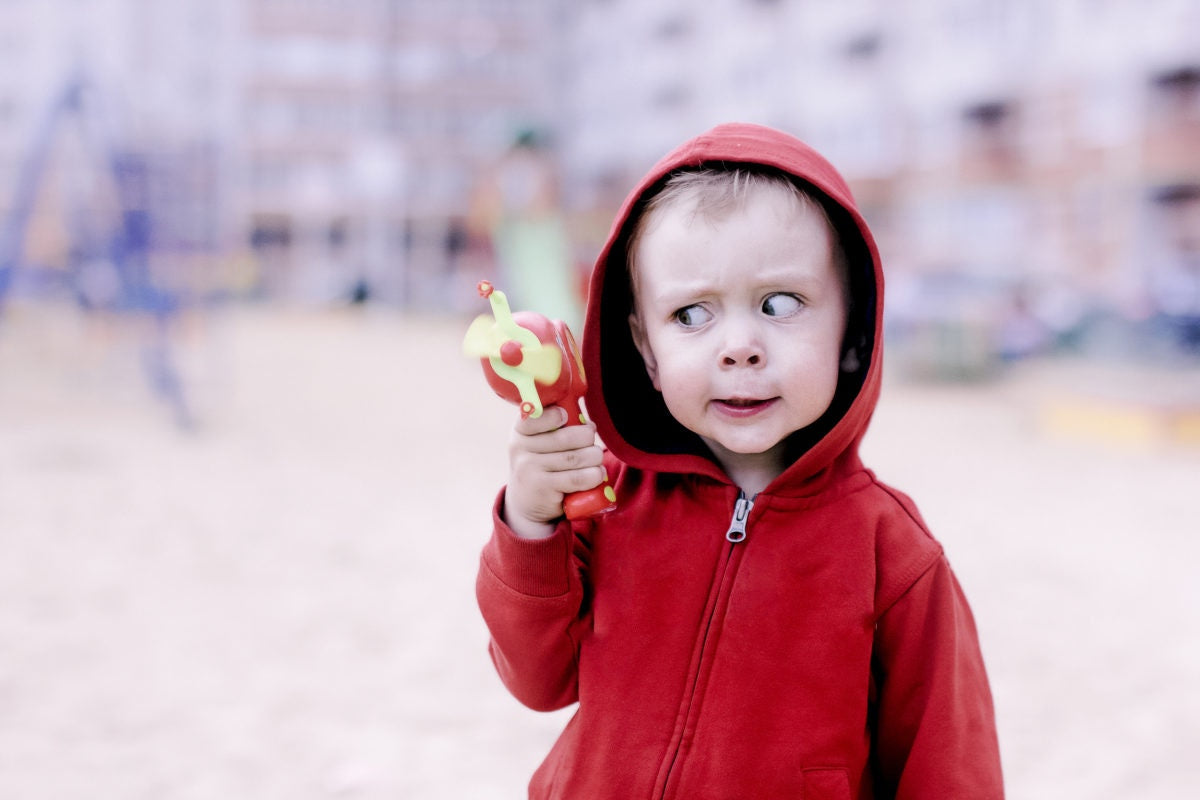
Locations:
279 604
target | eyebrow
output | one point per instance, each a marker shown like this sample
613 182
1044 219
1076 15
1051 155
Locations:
677 293
789 274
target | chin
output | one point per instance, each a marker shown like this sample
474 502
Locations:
749 449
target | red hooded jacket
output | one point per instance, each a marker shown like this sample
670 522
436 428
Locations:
827 654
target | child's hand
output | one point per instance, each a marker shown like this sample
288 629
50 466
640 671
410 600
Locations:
546 462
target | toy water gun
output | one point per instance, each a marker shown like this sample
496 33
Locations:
534 362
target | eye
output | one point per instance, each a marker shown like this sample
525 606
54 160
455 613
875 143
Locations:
692 316
781 305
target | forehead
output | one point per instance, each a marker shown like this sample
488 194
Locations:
712 193
769 221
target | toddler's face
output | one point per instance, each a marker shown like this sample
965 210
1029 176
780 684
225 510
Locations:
740 321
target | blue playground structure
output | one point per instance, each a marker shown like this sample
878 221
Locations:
160 204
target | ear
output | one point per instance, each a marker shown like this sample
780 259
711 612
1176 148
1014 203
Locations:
643 346
850 361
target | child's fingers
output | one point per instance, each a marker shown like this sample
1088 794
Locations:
549 459
568 460
565 482
571 437
530 464
580 480
562 440
551 419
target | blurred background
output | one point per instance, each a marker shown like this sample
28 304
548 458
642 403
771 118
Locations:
245 473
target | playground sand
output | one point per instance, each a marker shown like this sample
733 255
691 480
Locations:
278 603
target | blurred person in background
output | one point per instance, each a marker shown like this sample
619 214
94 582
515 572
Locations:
516 206
760 617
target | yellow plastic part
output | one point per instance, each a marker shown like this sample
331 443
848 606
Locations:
539 363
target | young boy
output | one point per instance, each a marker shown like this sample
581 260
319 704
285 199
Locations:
760 617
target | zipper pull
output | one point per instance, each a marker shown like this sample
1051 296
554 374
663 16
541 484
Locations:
737 526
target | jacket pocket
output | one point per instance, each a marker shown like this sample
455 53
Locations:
826 784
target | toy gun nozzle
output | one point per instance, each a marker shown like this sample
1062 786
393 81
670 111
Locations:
485 289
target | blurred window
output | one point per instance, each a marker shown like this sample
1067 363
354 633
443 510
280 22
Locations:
992 133
673 28
270 230
337 233
1176 95
863 46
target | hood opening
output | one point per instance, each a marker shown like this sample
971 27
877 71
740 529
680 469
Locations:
636 408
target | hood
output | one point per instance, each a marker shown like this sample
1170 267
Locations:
629 413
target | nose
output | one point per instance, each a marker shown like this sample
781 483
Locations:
742 347
741 356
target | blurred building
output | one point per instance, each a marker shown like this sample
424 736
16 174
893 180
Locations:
330 147
1013 157
327 147
365 125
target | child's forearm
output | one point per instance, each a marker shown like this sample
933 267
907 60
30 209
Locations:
530 595
527 528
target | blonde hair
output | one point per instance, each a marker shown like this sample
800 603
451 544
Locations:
716 191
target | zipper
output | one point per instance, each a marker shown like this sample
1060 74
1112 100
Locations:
734 535
741 513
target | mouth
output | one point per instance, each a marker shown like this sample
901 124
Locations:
743 406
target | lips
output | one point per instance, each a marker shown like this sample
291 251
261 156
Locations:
743 406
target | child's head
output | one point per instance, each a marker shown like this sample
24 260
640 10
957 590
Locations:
741 300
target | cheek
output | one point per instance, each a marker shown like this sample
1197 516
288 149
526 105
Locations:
823 375
804 364
678 381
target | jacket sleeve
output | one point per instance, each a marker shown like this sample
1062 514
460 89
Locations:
935 733
530 593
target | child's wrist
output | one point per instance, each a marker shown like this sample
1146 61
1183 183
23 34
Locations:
527 528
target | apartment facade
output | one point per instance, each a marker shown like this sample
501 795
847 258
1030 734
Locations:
321 145
329 146
366 124
1033 143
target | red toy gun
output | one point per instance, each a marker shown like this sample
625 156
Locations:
534 362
